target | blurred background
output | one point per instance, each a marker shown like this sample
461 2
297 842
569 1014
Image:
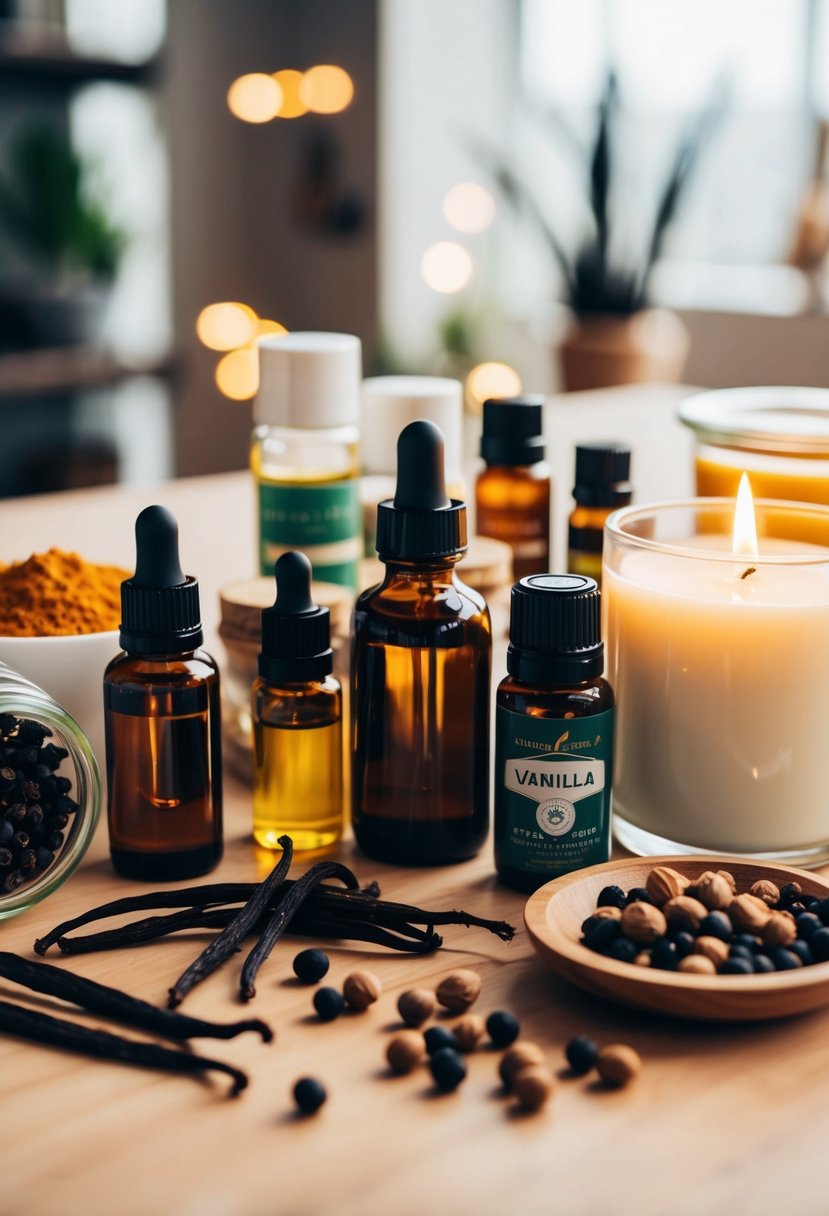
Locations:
519 193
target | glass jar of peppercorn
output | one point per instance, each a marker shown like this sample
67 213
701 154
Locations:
50 793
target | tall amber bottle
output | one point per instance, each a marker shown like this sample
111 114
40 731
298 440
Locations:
602 485
162 720
420 675
297 718
512 495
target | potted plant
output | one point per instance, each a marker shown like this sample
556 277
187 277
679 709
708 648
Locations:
65 247
614 337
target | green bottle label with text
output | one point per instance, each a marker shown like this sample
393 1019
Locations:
322 520
553 779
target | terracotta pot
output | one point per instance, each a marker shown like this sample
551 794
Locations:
603 350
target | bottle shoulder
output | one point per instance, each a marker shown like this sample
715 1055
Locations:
178 671
579 701
421 596
310 704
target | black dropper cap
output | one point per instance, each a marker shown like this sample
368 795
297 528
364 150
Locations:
513 431
296 633
555 630
160 612
602 475
421 522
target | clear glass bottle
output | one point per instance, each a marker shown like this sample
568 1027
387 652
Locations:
420 677
512 494
304 452
602 485
163 720
297 719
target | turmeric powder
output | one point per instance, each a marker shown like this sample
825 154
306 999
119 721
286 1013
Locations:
59 593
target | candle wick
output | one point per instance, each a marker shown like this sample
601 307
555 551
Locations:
748 571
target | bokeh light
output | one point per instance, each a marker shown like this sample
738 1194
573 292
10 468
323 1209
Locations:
237 374
290 82
469 207
256 97
265 326
491 380
446 267
326 89
227 325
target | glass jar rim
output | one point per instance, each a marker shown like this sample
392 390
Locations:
766 418
615 529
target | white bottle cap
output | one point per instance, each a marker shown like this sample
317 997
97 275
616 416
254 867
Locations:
392 402
308 380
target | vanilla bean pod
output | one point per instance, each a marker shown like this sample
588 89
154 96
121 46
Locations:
363 931
58 1032
281 918
387 910
227 942
120 1006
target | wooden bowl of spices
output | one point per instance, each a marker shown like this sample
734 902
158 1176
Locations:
555 914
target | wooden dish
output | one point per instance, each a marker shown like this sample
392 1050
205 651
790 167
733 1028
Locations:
554 915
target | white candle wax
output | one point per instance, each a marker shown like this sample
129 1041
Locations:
722 686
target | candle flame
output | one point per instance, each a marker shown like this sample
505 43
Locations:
744 536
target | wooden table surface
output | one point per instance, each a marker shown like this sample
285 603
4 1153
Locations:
723 1118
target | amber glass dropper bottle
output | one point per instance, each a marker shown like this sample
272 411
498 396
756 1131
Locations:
297 718
512 495
602 485
420 676
162 719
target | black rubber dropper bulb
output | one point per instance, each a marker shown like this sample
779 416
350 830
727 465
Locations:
160 611
421 521
296 632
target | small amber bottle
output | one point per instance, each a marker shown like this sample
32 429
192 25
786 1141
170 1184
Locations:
553 735
297 719
162 719
512 495
420 677
602 485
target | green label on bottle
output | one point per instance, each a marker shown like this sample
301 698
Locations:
552 792
322 520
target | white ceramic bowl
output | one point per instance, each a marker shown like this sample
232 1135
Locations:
71 670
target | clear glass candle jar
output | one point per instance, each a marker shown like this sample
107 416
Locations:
720 664
778 435
23 699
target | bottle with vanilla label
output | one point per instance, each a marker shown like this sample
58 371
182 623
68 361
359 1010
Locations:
553 734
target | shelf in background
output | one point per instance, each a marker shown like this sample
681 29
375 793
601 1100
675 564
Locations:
70 369
42 56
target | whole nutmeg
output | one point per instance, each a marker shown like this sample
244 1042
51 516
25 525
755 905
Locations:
405 1051
618 1064
712 948
520 1056
766 890
469 1031
416 1006
714 891
697 964
748 914
643 923
730 879
533 1086
683 912
779 930
663 884
361 989
459 990
643 959
607 912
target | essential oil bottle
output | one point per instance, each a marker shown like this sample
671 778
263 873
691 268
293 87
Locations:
420 676
304 452
553 734
297 719
602 485
162 720
512 495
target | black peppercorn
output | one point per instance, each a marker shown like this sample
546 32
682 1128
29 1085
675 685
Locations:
789 892
740 952
808 925
44 858
747 941
581 1053
611 897
623 950
587 926
822 909
311 965
448 1069
784 960
309 1095
6 858
329 1003
638 895
810 902
716 924
684 943
6 831
664 955
737 966
819 944
503 1028
438 1037
604 934
762 963
803 951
